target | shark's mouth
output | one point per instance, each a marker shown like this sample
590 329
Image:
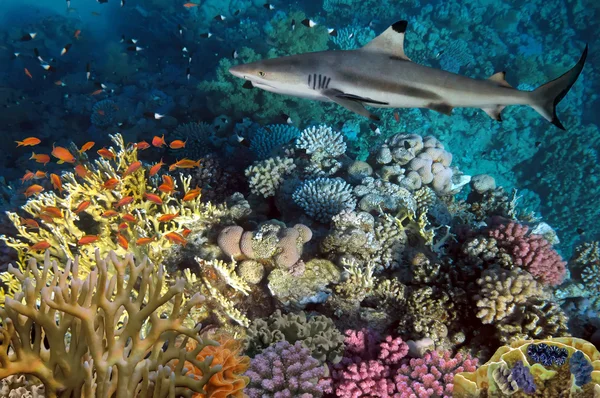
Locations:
257 84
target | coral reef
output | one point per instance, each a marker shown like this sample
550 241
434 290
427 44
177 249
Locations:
118 342
323 198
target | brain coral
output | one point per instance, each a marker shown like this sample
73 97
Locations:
323 198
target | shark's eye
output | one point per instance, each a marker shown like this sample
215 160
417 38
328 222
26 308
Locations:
261 73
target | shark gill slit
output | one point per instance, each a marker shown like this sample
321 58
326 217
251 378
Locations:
314 80
309 76
327 82
320 81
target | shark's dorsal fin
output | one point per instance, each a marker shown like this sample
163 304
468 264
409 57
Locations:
391 41
500 78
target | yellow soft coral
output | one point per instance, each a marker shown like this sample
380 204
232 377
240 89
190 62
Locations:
229 382
135 227
65 331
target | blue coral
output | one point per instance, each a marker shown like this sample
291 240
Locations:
268 138
104 113
581 368
198 137
523 377
323 198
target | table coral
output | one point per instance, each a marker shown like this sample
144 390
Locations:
118 343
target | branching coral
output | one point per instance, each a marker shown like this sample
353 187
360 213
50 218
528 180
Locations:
104 113
101 336
115 207
265 177
269 138
198 137
323 198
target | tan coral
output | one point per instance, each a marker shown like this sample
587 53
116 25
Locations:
501 290
102 357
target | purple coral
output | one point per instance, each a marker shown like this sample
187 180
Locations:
532 252
285 371
432 375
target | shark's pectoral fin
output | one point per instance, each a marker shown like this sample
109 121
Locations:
500 78
391 41
494 112
349 103
248 85
441 108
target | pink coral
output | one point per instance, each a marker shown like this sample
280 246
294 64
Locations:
432 375
532 252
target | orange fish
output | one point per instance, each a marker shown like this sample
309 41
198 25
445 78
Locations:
87 239
40 174
43 245
29 141
154 169
77 33
190 5
46 218
124 201
122 241
192 194
40 158
132 168
33 189
184 164
168 180
62 154
129 218
168 217
143 241
30 223
60 83
28 176
81 170
87 146
110 213
177 144
176 238
153 198
100 90
56 182
28 73
158 141
82 206
167 186
142 145
123 226
52 211
105 153
397 116
101 112
186 232
110 183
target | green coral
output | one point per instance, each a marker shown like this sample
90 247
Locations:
317 333
297 41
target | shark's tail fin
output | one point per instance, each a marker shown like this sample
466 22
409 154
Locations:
546 97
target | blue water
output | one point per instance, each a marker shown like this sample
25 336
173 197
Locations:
173 69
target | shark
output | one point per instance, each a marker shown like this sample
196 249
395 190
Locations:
381 75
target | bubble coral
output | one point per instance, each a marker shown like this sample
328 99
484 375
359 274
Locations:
530 251
229 381
285 370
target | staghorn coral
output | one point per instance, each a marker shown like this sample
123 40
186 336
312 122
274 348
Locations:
21 387
119 217
317 333
502 290
229 381
265 177
88 350
323 198
551 381
285 370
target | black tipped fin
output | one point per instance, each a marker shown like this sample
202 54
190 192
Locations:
441 108
390 42
349 103
248 85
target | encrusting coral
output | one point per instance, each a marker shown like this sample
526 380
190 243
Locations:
103 335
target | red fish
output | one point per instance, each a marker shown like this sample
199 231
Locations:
122 241
105 153
155 169
28 176
81 170
87 239
110 183
192 194
143 241
82 206
33 190
132 168
87 146
43 245
177 144
153 198
40 158
124 201
168 217
142 145
110 213
28 73
29 141
62 154
129 218
176 238
55 179
158 141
